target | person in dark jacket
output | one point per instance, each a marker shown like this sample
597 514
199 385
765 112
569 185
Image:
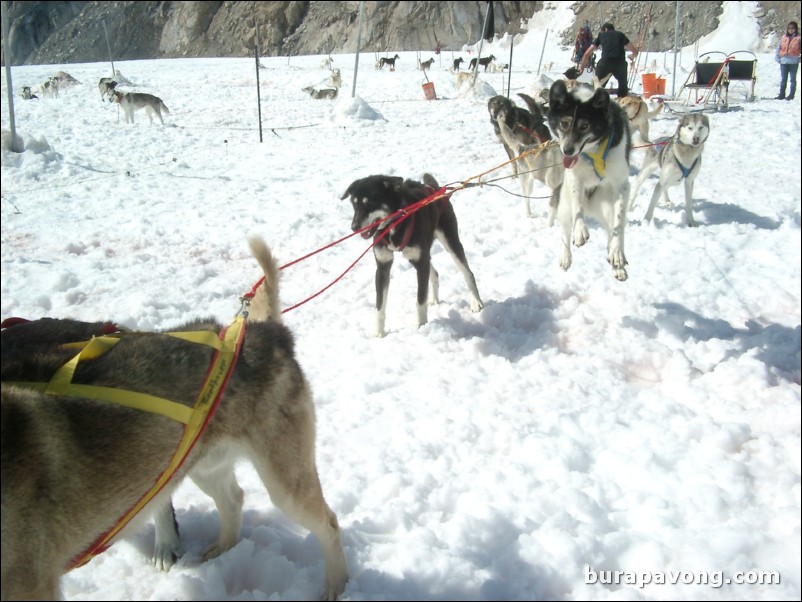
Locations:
614 45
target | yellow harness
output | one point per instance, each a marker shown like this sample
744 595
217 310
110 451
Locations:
227 347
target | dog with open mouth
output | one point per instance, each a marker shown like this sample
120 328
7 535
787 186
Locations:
593 135
379 204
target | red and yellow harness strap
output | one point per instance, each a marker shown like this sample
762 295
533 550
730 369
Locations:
227 347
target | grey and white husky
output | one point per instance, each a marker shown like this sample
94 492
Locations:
593 135
73 465
133 101
679 159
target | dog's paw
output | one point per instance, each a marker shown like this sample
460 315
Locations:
620 274
214 550
581 234
565 259
616 258
165 556
477 305
692 222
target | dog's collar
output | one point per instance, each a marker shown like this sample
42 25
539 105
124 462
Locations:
599 159
410 226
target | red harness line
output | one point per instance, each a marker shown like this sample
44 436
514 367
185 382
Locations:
402 215
103 542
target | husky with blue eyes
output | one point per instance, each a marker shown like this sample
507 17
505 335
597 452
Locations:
593 135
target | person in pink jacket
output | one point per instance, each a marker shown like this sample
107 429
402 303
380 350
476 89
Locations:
788 57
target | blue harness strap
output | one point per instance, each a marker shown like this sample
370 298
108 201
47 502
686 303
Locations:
686 171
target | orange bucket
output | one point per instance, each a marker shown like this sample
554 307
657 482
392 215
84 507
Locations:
428 91
649 84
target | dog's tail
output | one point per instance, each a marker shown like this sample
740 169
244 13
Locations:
265 304
164 107
656 110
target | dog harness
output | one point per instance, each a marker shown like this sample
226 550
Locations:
227 346
599 159
686 171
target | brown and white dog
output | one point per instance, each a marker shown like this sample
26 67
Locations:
639 114
327 93
72 465
134 101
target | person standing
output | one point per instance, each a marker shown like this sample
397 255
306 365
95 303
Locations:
583 41
788 57
613 61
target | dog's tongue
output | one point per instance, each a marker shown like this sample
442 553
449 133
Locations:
570 160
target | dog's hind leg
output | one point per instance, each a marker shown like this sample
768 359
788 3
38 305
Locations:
658 189
423 270
214 474
434 286
285 461
448 237
168 547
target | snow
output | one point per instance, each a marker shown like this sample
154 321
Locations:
577 425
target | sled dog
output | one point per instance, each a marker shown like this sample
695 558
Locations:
679 160
377 198
73 465
593 135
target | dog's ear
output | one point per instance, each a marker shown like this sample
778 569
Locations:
557 93
393 182
348 191
600 99
533 105
428 180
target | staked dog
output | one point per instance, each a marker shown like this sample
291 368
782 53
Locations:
518 130
457 63
593 135
73 465
679 159
323 93
390 62
106 86
639 114
484 62
377 202
134 101
426 65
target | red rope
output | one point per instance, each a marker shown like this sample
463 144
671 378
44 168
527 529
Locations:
404 213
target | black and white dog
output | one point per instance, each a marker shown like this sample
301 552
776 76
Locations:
679 160
593 135
388 61
523 128
378 203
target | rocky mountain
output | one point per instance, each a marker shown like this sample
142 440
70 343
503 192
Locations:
92 31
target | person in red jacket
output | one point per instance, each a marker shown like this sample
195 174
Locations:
788 57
